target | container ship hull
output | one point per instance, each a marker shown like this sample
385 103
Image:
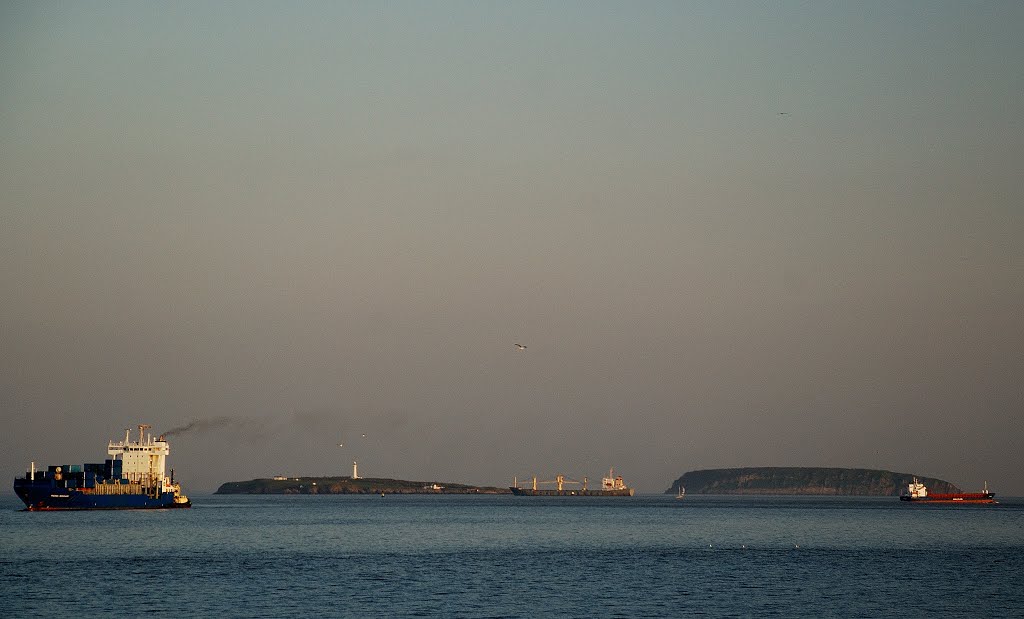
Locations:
133 477
48 497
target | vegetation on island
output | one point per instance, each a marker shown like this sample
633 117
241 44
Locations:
348 485
803 481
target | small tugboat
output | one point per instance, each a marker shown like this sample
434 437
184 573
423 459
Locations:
613 485
918 493
132 478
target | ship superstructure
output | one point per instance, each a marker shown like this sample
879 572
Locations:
613 483
133 477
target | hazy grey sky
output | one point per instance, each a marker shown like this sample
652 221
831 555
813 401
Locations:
320 219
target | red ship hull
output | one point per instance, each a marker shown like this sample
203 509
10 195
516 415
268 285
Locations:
967 497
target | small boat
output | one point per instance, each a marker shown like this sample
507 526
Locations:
681 493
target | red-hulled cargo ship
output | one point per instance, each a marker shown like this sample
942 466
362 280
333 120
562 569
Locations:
613 485
918 493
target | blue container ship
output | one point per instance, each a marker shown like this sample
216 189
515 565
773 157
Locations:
133 477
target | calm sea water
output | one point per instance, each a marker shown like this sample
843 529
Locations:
503 556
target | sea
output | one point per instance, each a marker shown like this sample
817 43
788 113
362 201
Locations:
506 556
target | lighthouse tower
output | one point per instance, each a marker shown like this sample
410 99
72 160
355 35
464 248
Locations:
355 470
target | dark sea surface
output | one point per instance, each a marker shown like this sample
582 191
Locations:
504 556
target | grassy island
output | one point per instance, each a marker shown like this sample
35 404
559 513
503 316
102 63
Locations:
348 485
803 481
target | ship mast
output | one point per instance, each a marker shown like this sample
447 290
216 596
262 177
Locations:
142 428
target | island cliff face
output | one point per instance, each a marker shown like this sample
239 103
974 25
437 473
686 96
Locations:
803 481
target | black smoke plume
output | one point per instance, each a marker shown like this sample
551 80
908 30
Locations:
202 425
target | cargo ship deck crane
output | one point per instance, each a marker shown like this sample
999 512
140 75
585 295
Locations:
559 481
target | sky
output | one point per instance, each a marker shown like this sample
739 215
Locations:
728 234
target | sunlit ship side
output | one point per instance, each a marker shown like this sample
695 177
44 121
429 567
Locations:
918 493
134 477
613 485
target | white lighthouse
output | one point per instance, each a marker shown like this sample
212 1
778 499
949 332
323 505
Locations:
355 470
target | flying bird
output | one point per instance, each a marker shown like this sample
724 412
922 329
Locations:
783 113
520 347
